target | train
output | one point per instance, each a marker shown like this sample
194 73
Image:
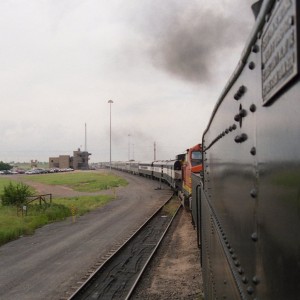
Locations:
244 194
248 203
176 172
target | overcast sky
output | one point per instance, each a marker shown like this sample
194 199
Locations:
164 64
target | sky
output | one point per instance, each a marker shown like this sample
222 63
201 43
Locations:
163 63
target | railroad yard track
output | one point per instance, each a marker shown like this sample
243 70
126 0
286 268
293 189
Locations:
117 275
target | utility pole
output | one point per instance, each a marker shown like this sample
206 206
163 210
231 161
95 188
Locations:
154 151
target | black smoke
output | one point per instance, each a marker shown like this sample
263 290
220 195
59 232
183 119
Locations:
186 39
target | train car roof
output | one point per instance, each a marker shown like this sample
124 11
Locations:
146 163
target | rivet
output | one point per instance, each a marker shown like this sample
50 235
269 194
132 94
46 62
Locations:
241 270
243 113
231 251
243 137
237 263
233 256
242 90
253 151
237 139
225 282
251 65
253 193
252 108
244 279
291 20
250 290
234 127
255 280
254 236
226 131
255 49
237 118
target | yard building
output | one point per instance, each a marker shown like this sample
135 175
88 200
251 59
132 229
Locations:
79 161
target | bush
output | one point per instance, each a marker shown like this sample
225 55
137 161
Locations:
15 194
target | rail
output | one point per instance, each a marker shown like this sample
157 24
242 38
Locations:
118 276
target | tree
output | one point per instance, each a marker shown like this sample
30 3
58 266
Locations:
15 194
4 166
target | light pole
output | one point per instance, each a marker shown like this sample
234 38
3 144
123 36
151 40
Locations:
110 103
129 147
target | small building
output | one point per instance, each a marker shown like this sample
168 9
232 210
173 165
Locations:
79 161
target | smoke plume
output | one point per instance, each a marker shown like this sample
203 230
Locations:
186 39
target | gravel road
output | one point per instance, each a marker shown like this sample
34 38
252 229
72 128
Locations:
46 264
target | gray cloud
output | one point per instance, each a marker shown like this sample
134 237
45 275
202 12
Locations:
187 39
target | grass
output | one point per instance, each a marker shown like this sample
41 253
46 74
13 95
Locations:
171 208
84 204
13 225
81 181
3 182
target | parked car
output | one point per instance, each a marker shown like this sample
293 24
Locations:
5 172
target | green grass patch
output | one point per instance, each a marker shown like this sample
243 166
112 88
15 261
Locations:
83 204
12 225
171 208
3 182
81 181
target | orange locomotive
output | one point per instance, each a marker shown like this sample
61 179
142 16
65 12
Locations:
192 163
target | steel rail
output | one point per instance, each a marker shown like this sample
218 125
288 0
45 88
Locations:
151 255
77 292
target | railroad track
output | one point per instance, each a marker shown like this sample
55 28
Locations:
117 276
